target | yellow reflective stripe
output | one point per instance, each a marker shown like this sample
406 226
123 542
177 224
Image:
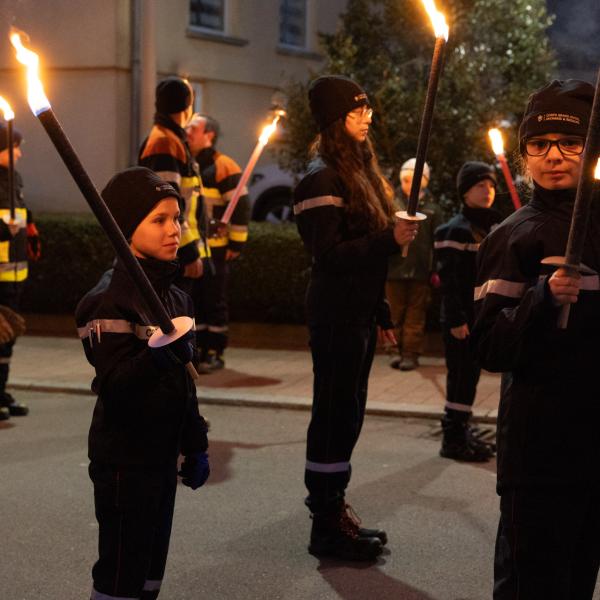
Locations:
218 242
238 236
13 271
212 193
204 251
4 251
20 216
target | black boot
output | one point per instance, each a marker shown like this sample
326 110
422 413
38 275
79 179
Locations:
459 444
332 535
15 409
354 522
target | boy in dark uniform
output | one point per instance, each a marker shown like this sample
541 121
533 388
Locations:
146 413
456 245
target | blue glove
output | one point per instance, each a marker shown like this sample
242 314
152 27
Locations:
195 470
175 354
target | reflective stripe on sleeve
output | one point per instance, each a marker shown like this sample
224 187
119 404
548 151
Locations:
590 283
318 202
99 326
456 245
339 467
502 287
151 585
457 406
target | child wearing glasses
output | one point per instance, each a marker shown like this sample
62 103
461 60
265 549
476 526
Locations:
345 216
548 541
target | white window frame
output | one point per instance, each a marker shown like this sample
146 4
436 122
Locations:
306 32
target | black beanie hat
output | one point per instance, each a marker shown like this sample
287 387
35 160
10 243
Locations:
472 173
173 95
17 137
558 107
131 194
333 96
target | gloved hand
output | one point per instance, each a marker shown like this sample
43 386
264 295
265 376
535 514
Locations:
195 470
34 247
175 354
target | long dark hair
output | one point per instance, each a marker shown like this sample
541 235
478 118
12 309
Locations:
370 197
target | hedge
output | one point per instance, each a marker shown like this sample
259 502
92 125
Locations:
267 282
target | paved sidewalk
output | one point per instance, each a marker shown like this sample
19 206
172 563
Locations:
259 377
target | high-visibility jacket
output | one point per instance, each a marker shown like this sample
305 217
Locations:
165 152
13 250
220 175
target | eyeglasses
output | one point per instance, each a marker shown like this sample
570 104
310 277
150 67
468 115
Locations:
566 146
362 112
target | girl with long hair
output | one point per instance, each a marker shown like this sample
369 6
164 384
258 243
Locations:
345 216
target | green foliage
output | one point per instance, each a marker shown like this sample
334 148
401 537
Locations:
267 284
497 54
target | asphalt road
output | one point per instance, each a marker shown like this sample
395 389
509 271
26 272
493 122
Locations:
244 535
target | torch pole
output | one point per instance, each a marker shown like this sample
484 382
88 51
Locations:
424 133
509 181
11 169
147 293
242 182
583 200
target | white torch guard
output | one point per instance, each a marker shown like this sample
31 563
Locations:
181 326
402 214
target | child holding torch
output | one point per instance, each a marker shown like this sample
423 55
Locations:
345 216
146 413
548 541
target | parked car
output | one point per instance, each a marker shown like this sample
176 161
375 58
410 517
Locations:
270 190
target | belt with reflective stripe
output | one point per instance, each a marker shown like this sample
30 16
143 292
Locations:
317 202
456 245
339 467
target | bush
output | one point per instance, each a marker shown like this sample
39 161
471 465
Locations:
268 281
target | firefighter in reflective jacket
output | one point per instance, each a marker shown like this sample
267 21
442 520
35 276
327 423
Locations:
220 175
165 151
18 243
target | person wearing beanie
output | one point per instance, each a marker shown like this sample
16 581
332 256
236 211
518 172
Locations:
345 217
548 475
408 280
220 176
19 244
166 152
146 411
456 245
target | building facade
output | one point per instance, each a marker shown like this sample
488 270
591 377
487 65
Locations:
101 59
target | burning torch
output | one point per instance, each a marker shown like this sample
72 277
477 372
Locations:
590 172
169 330
441 37
9 117
498 148
218 227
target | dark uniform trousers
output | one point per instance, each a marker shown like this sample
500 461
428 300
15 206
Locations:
462 375
210 304
342 357
134 509
548 544
10 295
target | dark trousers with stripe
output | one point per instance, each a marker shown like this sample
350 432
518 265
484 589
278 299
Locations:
134 509
342 357
548 545
462 375
211 305
10 295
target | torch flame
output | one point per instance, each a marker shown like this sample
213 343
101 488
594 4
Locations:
597 172
497 142
35 91
268 130
440 27
9 115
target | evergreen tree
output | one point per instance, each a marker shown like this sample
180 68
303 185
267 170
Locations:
496 55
